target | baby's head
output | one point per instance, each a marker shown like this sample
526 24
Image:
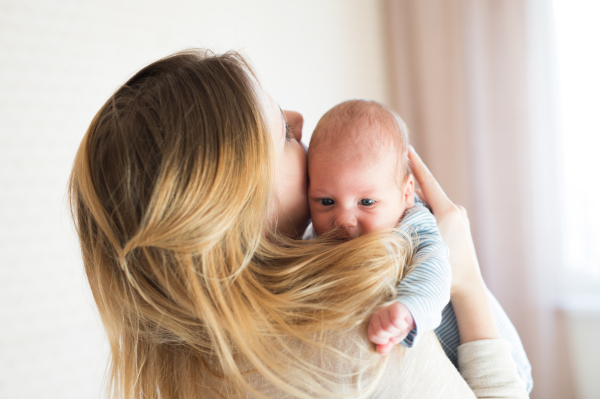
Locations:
359 174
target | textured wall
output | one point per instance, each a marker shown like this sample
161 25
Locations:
59 62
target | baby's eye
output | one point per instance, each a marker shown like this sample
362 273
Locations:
367 202
326 201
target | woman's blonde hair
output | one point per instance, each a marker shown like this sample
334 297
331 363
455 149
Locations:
170 192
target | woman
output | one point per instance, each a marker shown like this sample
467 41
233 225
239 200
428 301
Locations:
188 191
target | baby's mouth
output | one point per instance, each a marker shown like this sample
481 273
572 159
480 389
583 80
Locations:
343 238
344 235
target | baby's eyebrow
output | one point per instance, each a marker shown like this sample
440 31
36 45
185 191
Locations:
318 192
368 192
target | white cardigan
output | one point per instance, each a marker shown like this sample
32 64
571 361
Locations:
422 372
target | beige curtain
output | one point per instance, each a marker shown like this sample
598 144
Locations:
473 81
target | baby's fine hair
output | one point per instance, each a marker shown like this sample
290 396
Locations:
366 124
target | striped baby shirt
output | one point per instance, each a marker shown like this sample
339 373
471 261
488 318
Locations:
425 289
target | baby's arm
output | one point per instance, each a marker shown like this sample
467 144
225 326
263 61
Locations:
423 292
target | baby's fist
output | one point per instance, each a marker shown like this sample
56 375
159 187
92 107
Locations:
389 325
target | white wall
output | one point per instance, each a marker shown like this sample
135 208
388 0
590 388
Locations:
59 62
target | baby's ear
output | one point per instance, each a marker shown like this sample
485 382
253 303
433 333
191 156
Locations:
408 191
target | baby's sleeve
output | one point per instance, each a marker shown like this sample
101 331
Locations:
425 290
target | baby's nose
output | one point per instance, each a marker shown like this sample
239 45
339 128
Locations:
346 220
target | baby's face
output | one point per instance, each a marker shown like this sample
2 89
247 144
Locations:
357 195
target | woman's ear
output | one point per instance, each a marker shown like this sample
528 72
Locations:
408 191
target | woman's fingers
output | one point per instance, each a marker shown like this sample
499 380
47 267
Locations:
431 191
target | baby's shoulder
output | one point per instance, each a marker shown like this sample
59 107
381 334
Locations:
418 214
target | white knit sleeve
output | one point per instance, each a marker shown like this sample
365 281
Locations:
489 369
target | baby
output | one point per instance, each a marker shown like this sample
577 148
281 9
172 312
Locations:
360 182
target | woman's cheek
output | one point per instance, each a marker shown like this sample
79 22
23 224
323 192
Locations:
302 177
296 186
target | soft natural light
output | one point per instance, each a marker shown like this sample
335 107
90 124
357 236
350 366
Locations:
578 49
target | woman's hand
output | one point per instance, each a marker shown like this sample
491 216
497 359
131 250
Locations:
468 292
453 224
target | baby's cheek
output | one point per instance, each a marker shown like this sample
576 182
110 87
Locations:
319 222
379 220
326 226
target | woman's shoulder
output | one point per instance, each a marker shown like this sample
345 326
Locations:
423 371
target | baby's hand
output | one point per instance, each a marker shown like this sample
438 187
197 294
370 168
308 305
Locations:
389 325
